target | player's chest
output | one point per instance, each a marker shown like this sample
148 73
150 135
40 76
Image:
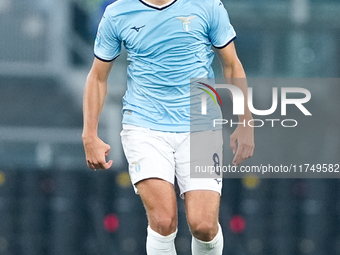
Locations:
144 32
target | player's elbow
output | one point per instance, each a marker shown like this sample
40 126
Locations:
94 78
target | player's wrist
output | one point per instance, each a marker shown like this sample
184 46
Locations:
246 117
89 136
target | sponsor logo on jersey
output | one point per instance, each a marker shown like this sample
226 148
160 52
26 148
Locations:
137 28
186 22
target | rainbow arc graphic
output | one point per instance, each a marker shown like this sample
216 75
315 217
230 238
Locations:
204 98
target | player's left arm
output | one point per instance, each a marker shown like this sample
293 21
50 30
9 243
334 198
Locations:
242 139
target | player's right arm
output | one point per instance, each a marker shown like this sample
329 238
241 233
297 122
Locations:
95 91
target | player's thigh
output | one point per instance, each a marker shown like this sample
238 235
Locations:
148 155
201 150
159 200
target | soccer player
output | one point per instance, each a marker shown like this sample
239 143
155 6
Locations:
168 43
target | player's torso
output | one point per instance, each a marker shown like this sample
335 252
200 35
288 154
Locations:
166 48
168 38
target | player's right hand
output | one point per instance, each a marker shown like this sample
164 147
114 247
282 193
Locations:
96 152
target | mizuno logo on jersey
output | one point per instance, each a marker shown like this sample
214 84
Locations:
186 22
137 28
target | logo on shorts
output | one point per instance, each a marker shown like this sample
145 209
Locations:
137 165
218 181
186 22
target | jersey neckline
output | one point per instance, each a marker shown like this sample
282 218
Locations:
157 7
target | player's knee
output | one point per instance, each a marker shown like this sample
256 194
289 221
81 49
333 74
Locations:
165 225
204 230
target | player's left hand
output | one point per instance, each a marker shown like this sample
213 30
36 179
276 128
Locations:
242 143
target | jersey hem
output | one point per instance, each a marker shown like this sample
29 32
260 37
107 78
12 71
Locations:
175 129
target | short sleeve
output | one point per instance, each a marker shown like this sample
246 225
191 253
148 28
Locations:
221 31
107 46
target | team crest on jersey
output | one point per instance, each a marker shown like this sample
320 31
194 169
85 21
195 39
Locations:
186 22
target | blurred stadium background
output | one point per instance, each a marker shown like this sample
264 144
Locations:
50 203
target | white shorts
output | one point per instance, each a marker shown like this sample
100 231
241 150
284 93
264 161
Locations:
166 155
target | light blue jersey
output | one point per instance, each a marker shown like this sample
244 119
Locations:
167 46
